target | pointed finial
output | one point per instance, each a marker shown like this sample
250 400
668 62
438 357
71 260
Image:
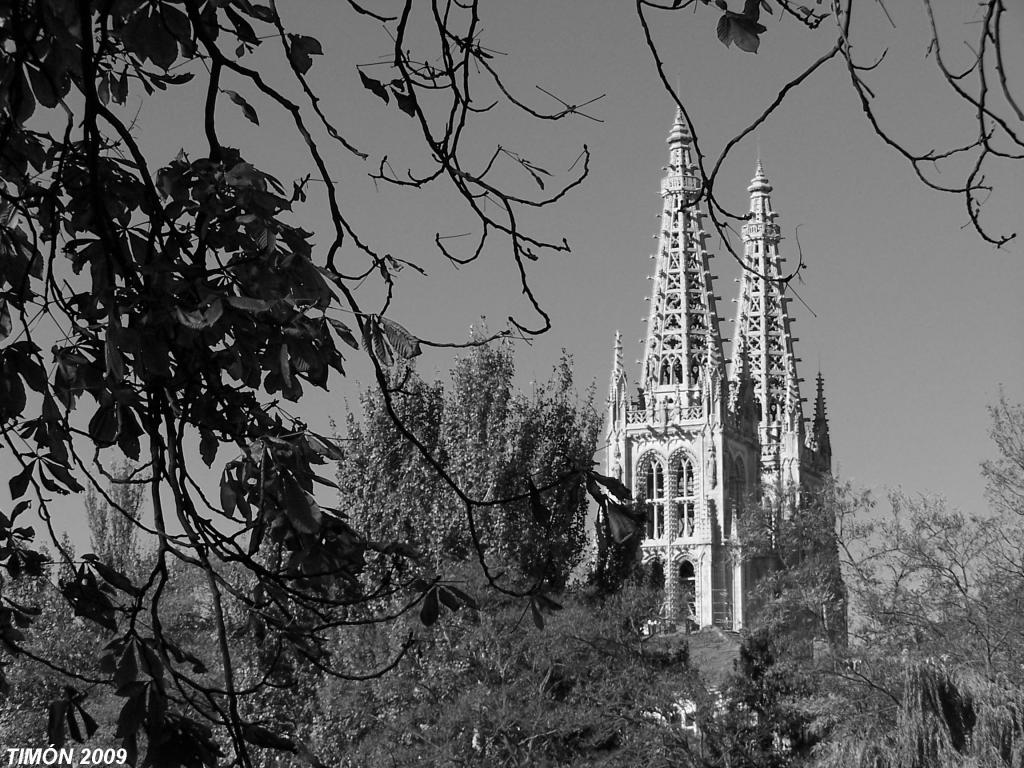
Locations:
617 353
819 400
760 181
679 134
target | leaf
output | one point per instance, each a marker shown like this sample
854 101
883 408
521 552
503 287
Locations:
103 94
303 511
466 599
32 372
19 483
213 312
324 447
193 319
63 475
402 342
344 332
621 523
73 729
429 609
546 602
448 598
112 576
19 95
5 320
103 425
119 88
208 445
262 737
538 618
740 29
724 33
114 359
242 27
87 600
228 497
45 93
263 13
87 720
247 110
55 722
375 86
130 718
181 655
247 303
302 50
407 103
617 488
541 514
127 671
373 340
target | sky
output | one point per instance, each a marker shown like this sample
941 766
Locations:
914 321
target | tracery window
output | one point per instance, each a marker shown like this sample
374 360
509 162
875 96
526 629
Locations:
653 478
685 495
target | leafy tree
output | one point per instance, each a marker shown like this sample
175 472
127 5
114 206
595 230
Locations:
497 443
933 673
799 595
113 521
489 688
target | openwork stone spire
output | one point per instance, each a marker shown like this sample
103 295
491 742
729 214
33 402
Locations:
683 342
819 439
763 334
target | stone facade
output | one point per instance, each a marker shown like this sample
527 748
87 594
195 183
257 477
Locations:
695 442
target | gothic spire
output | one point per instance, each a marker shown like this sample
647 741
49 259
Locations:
683 341
763 324
618 370
617 386
819 430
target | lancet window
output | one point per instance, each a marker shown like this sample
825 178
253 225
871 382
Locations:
684 494
652 474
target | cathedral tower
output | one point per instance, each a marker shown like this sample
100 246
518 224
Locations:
694 444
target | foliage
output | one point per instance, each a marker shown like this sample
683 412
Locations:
498 444
932 677
799 595
113 522
180 304
489 688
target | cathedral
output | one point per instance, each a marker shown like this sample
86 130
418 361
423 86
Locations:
696 440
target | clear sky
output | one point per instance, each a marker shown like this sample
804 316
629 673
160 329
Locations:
916 322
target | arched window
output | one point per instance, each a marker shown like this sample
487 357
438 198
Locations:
653 478
684 495
688 590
